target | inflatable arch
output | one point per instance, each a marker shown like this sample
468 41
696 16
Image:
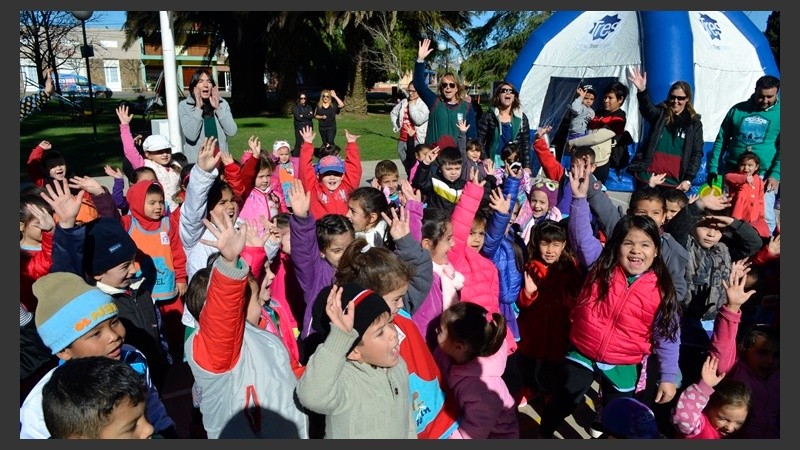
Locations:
720 54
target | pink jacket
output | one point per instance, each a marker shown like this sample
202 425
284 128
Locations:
487 409
617 330
481 281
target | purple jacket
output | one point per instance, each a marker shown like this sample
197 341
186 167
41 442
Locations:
488 410
313 272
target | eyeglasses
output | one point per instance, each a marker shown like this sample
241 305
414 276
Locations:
679 98
448 85
326 96
507 91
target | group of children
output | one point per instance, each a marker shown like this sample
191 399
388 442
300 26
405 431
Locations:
430 307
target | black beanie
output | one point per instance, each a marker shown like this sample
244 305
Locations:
52 158
369 306
107 245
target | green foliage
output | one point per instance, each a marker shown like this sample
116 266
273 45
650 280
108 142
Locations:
509 30
773 34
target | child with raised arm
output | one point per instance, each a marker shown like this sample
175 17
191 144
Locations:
263 196
96 398
157 156
717 405
582 111
332 180
76 320
627 276
472 356
356 377
287 167
242 371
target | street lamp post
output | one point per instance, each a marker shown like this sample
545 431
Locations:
87 51
445 48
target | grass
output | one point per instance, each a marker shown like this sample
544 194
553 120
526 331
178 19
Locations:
74 137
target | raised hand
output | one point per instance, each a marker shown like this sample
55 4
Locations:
774 246
308 135
253 238
123 115
488 166
409 193
254 144
341 319
657 179
462 125
734 289
399 224
44 220
430 157
424 49
709 371
474 178
198 98
692 198
112 172
719 222
541 131
230 240
639 79
499 202
530 284
226 158
87 183
49 87
65 205
579 179
46 145
206 159
350 136
299 199
713 202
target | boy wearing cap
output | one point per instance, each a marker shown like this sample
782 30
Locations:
104 254
582 111
76 320
332 180
356 377
157 156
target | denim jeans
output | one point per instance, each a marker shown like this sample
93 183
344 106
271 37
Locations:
769 210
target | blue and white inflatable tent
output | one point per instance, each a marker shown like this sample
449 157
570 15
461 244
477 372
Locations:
720 54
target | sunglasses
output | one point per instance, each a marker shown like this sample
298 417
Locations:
448 85
326 96
302 98
678 97
507 91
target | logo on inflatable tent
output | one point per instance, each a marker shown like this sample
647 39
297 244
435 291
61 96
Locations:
711 26
605 26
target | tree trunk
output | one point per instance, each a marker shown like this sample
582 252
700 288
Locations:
356 98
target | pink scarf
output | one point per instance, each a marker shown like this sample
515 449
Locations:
452 282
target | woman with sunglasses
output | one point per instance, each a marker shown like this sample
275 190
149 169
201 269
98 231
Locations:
325 113
446 108
505 123
303 112
674 145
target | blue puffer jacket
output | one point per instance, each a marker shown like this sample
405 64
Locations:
499 247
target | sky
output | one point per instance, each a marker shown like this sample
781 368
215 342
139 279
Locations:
115 19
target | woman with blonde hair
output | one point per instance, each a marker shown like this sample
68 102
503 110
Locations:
325 113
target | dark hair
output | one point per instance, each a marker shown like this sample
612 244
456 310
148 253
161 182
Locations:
646 193
215 194
418 148
79 399
377 268
208 110
434 222
331 225
282 220
473 325
473 144
155 188
265 162
512 148
748 156
729 392
496 96
371 200
180 159
31 199
300 94
551 231
768 82
327 149
752 334
449 156
386 167
676 196
195 296
667 317
52 158
619 89
581 151
144 169
482 216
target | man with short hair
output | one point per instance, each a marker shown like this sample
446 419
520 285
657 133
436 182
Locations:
754 125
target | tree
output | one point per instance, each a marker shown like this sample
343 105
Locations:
773 34
44 38
509 30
